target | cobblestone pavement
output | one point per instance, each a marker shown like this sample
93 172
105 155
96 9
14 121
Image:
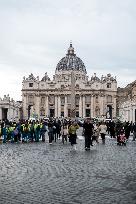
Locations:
39 173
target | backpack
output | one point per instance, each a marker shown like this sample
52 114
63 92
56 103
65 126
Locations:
16 131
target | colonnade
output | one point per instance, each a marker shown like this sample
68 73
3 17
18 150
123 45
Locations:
57 107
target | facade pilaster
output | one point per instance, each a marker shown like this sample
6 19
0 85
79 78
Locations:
9 112
56 106
59 107
66 107
133 114
25 107
102 105
84 107
92 106
37 105
47 106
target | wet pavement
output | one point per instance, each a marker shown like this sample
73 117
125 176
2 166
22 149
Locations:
39 173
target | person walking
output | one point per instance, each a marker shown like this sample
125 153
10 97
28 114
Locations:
127 128
134 131
96 133
50 131
103 129
64 132
88 132
43 130
72 132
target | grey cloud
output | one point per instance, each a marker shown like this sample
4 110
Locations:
35 35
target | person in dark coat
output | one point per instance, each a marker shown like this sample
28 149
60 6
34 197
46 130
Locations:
112 129
127 130
56 129
72 132
50 131
134 131
88 132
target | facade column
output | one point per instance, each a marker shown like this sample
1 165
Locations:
92 106
66 107
37 107
9 113
47 106
13 116
131 113
84 107
80 107
25 108
56 106
59 107
102 105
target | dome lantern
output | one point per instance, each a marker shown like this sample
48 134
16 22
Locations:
71 50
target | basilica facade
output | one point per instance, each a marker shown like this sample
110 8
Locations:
94 97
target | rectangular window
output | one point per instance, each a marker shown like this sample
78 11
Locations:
68 99
77 113
42 112
62 100
87 99
77 100
109 99
51 99
108 85
30 99
62 86
43 100
30 84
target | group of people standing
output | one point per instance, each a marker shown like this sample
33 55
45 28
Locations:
34 131
120 131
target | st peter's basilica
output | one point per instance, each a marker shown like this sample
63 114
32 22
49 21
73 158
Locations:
94 97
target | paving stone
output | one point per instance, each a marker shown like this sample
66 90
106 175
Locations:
39 173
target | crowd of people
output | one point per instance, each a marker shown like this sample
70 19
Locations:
66 130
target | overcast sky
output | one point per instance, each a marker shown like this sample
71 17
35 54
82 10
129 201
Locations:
35 35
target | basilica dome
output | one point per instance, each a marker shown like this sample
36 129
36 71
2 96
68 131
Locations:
71 62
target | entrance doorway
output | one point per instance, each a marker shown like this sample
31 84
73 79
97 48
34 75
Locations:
77 113
69 112
88 113
4 113
109 112
62 113
51 112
